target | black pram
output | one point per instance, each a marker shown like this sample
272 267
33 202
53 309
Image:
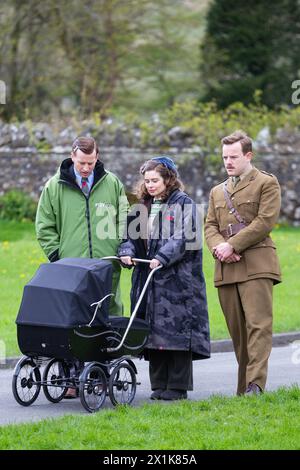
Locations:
64 317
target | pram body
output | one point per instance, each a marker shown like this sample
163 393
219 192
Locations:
63 321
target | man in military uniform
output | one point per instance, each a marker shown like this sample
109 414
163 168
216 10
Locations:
242 212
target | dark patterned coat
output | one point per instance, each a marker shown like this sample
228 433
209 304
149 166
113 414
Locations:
175 304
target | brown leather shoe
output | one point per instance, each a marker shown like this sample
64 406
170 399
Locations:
71 393
253 389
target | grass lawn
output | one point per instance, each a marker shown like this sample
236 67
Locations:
20 256
270 421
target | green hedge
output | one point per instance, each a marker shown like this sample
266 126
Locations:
18 206
203 124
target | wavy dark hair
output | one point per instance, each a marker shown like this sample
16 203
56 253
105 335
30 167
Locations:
170 178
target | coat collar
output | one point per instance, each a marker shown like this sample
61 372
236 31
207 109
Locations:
244 182
174 197
67 174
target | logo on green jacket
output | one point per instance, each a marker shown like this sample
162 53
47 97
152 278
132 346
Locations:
103 205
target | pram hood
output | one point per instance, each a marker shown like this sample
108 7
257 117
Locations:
60 293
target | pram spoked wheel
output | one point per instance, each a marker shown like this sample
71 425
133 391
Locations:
26 383
122 384
93 387
55 378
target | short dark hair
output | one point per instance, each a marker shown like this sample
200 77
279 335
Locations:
86 145
239 136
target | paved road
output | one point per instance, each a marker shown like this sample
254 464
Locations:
214 376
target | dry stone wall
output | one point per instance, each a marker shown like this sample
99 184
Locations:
25 167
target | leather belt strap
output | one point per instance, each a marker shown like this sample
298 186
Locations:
232 210
232 229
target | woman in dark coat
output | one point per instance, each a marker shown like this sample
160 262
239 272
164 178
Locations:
166 229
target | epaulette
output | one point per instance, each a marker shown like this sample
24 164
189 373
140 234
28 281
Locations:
266 173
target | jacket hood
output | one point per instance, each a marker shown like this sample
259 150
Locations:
176 196
67 173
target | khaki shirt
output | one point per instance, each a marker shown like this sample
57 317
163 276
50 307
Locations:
257 199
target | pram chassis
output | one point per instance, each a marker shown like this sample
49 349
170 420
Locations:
115 378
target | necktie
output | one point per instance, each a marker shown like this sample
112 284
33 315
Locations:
85 186
236 180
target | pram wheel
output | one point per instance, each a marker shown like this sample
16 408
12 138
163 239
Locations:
92 388
122 384
26 383
55 380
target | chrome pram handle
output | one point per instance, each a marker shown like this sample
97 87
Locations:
136 260
132 317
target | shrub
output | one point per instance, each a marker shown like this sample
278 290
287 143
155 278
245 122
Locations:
16 205
203 124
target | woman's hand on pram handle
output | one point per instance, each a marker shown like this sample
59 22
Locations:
154 263
127 260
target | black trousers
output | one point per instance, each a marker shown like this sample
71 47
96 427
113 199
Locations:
170 369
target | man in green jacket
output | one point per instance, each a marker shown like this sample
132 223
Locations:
82 211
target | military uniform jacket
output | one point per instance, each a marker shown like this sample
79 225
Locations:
257 199
176 305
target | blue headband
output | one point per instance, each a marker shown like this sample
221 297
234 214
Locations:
166 161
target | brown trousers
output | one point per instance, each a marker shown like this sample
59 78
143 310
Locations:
247 307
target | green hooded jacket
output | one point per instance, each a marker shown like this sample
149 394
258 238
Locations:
71 225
